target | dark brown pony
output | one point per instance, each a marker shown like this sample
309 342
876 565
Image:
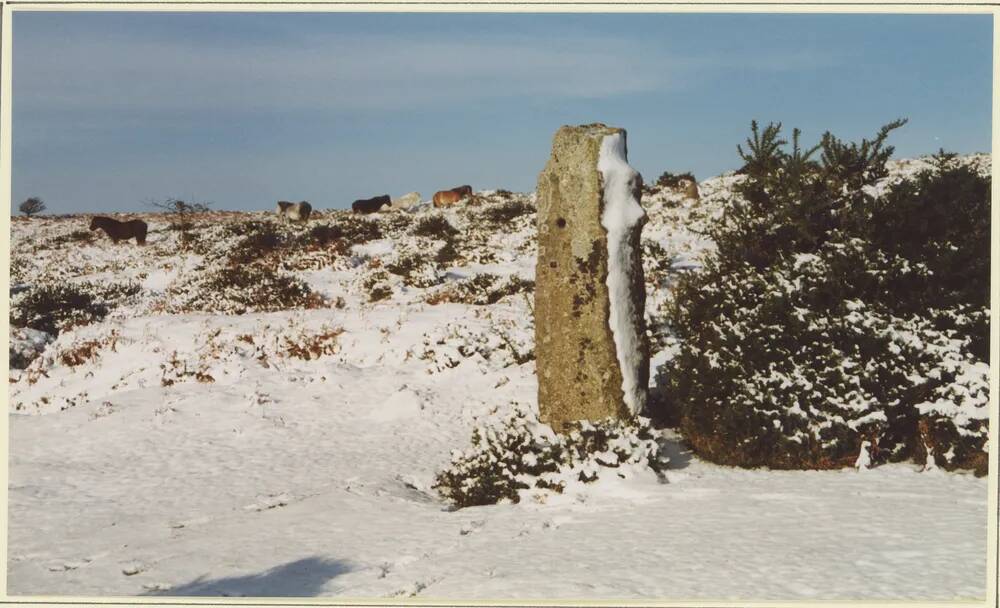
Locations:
119 231
370 205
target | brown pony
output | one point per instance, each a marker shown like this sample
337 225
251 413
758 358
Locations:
444 198
118 231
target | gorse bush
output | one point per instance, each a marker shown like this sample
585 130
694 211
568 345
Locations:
262 240
76 236
515 453
53 308
503 459
837 309
435 227
323 234
349 228
673 180
438 228
376 284
243 289
507 211
245 228
417 269
939 221
396 222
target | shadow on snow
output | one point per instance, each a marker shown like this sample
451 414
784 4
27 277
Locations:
301 578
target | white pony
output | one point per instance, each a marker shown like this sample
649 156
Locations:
404 202
296 212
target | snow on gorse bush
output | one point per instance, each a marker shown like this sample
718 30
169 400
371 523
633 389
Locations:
517 453
838 309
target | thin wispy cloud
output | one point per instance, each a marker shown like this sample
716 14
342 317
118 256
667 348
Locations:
114 108
354 71
338 73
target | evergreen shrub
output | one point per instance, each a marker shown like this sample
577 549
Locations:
516 452
837 309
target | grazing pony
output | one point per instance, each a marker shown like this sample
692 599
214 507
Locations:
370 205
443 198
119 231
297 212
407 201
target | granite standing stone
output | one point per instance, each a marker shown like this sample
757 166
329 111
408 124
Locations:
580 370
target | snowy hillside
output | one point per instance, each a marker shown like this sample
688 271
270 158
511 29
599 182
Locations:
249 408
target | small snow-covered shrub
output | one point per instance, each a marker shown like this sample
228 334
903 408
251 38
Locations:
76 236
416 268
87 350
591 447
821 323
435 227
178 369
52 308
481 289
313 345
505 212
242 289
503 459
182 225
673 180
446 254
20 268
376 284
321 234
503 343
396 222
115 294
347 227
656 263
263 239
223 353
26 345
516 453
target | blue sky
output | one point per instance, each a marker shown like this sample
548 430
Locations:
112 110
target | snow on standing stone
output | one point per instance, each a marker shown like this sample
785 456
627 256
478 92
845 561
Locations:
623 218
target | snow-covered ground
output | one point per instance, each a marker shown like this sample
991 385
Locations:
203 454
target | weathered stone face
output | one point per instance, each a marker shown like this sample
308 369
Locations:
580 373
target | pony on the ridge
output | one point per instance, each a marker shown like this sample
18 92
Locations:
121 231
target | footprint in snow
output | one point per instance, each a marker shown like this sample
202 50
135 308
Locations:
177 525
156 586
105 409
134 567
471 527
271 501
68 565
414 589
